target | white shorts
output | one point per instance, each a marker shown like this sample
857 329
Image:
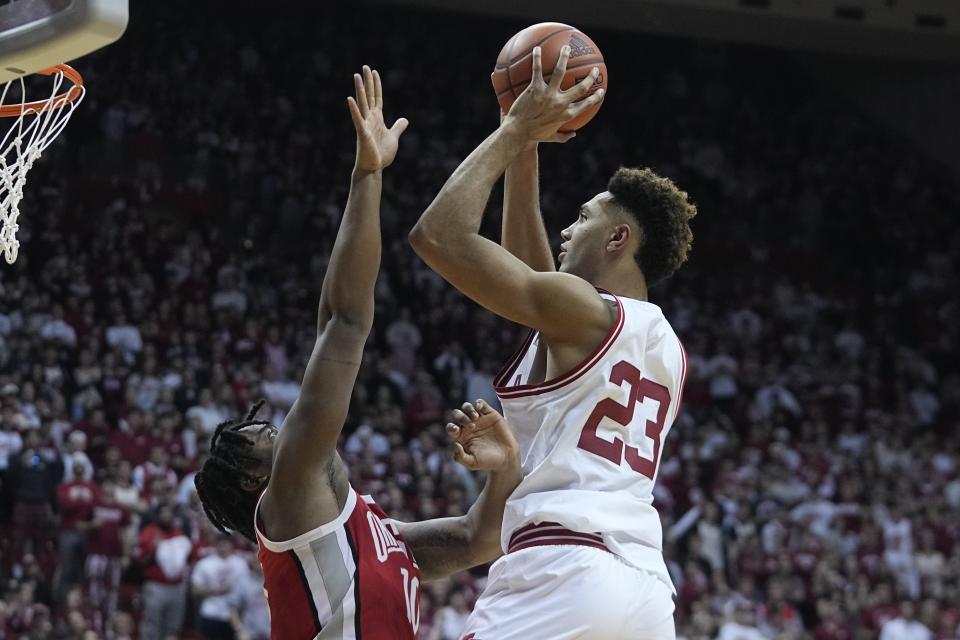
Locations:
567 592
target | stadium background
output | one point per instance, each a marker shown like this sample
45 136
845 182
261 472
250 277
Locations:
174 243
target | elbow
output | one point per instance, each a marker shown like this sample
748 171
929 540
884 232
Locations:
357 320
485 551
484 541
420 239
427 240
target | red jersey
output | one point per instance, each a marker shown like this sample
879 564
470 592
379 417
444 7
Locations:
150 539
353 578
76 500
109 520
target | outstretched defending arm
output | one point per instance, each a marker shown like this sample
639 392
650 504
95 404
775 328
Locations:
560 305
443 546
309 434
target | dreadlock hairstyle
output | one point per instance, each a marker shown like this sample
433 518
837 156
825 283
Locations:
219 482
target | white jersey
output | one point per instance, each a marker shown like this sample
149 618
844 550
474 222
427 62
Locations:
590 440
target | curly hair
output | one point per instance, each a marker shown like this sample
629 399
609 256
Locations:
663 212
219 481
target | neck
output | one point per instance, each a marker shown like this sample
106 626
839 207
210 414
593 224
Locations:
625 280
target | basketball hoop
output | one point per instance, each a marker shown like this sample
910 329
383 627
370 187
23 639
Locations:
35 125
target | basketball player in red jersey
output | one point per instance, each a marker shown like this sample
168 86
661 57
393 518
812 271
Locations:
335 567
593 391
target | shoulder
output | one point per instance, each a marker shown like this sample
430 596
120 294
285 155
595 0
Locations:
578 311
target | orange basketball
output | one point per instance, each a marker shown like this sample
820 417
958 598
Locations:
515 64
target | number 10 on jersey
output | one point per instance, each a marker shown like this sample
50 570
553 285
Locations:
617 451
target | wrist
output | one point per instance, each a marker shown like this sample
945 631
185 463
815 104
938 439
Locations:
509 474
515 136
361 173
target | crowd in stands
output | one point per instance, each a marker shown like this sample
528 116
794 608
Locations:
175 241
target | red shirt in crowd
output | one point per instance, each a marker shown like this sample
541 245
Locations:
133 447
876 616
830 630
151 536
109 520
75 501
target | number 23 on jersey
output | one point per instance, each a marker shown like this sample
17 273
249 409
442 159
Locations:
616 451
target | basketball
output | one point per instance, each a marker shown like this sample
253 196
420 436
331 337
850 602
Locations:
515 64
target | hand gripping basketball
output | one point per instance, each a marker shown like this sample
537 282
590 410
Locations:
483 440
544 107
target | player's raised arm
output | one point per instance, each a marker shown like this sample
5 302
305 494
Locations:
560 305
309 434
482 442
522 231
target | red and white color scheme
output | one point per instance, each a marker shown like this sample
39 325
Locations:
350 579
570 593
590 444
590 440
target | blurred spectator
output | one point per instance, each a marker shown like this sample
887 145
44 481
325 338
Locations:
76 462
163 551
207 414
450 620
34 475
108 549
155 468
742 626
905 626
250 615
213 582
75 501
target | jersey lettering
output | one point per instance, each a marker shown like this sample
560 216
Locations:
383 540
641 390
411 593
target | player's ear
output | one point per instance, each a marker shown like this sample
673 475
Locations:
619 237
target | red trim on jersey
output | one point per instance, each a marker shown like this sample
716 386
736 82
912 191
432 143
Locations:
683 378
546 386
545 534
506 371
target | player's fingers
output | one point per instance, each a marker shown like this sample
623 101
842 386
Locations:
461 456
582 88
537 74
453 430
563 136
377 89
361 94
484 408
579 107
470 410
355 114
400 126
460 418
368 84
561 69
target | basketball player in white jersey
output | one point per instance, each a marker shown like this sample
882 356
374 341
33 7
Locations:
594 389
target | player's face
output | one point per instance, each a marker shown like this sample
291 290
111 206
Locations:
583 244
263 437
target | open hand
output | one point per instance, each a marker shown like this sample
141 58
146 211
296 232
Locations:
544 107
483 440
376 144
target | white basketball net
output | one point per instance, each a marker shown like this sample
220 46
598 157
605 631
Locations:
32 132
